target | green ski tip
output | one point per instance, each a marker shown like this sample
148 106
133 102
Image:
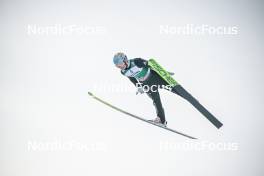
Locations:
90 93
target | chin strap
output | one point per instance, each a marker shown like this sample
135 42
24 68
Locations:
126 65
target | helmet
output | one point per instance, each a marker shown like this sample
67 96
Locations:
119 58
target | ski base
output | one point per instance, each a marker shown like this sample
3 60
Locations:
139 118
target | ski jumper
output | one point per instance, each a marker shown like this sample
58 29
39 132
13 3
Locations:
138 71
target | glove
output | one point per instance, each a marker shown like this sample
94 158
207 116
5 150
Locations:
140 90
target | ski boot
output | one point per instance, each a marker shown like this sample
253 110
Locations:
158 122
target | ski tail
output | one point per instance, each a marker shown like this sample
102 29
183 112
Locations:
166 76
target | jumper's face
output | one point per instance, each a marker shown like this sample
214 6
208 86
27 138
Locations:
122 65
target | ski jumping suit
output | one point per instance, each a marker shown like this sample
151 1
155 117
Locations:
138 71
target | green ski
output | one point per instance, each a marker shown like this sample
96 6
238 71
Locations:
181 91
162 72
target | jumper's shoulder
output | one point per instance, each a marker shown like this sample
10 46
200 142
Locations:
140 62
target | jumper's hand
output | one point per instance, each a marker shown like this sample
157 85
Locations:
140 90
171 73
